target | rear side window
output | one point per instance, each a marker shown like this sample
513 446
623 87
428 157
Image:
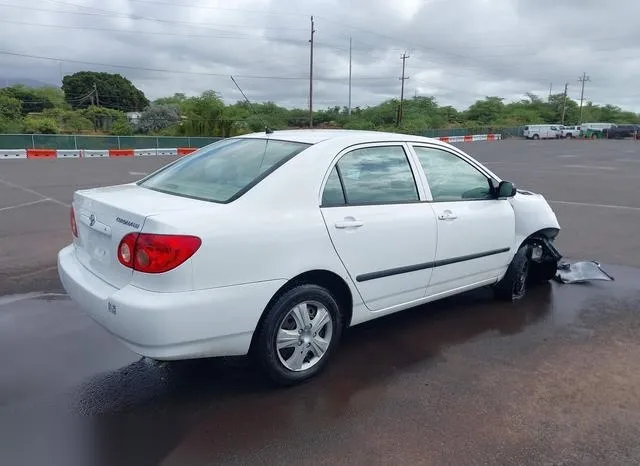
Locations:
373 175
224 170
333 194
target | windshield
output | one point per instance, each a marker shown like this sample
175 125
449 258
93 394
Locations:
224 170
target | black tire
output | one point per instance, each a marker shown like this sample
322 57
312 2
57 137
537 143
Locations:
542 272
265 351
513 285
535 136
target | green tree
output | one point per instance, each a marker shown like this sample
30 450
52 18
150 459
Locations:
487 111
158 117
176 100
202 115
113 91
40 125
69 121
10 107
103 118
55 95
121 127
449 114
31 99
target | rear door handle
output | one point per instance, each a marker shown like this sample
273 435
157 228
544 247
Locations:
348 224
447 215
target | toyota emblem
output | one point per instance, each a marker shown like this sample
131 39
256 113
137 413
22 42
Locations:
92 220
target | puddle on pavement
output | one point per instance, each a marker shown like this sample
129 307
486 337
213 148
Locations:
371 357
12 298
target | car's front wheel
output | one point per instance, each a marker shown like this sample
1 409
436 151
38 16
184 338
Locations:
298 335
542 272
513 285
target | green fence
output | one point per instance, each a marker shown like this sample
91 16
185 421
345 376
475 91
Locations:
506 132
62 141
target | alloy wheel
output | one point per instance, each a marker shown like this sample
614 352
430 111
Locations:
304 336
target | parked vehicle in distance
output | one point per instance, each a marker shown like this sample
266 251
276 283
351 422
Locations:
570 132
542 131
593 130
622 131
271 244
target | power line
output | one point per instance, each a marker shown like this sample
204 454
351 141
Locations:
285 40
207 7
195 73
115 14
282 13
136 16
157 33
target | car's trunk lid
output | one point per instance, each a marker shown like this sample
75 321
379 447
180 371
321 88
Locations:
105 215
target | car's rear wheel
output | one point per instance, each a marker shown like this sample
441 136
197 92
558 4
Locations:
513 285
298 334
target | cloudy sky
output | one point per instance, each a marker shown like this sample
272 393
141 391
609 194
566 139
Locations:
460 50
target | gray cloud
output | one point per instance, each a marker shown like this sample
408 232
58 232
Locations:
460 50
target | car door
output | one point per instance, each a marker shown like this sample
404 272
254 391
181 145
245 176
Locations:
382 232
476 231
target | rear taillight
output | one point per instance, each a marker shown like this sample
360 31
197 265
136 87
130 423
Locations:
74 227
151 253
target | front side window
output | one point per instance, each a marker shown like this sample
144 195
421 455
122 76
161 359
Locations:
377 175
451 178
223 170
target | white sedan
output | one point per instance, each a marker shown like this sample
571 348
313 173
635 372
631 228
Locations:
271 244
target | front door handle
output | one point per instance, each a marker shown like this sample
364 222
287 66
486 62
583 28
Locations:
447 215
348 222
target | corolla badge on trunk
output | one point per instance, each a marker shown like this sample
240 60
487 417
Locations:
128 222
92 220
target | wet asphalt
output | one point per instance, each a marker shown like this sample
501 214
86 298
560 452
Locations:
552 379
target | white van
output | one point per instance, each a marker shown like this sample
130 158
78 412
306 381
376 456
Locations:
542 131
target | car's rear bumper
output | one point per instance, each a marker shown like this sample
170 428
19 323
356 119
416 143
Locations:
166 326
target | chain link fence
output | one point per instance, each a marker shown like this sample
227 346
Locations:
69 142
506 132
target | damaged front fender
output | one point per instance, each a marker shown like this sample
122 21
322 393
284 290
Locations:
533 217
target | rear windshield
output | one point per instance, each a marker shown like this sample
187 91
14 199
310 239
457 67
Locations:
224 170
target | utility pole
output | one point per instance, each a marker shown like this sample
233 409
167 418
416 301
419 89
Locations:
95 91
311 77
550 89
349 75
403 79
564 103
583 79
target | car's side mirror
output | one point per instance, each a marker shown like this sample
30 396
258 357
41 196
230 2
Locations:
506 189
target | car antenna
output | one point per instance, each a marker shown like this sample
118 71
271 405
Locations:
266 127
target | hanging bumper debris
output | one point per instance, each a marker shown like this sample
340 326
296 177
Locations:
580 272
